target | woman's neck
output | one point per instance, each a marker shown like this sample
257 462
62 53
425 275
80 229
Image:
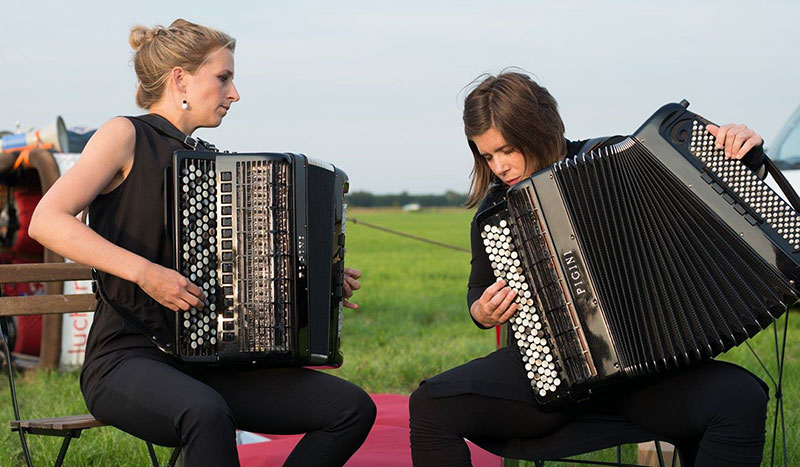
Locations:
178 117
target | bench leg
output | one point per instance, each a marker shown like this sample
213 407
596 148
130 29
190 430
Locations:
25 451
152 452
660 454
174 458
63 451
7 355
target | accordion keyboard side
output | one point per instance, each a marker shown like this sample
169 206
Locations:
262 235
241 208
545 329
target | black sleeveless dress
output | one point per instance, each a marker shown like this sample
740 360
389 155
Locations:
132 217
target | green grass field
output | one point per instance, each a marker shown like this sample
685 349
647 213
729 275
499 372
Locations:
412 323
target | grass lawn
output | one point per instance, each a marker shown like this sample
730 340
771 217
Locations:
412 323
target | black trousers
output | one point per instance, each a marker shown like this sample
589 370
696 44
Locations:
715 413
151 398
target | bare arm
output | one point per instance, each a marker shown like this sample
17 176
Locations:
104 164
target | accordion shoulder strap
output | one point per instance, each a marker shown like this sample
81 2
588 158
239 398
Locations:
165 128
160 341
784 184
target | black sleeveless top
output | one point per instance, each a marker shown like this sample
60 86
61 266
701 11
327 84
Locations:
132 217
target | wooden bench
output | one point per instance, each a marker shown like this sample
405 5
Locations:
71 426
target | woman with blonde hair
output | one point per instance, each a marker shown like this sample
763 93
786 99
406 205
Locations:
185 74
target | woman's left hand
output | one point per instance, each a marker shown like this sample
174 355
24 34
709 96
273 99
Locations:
350 285
736 139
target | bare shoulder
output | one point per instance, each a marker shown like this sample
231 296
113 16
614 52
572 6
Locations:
118 131
112 145
108 155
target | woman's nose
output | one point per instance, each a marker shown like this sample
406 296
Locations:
500 166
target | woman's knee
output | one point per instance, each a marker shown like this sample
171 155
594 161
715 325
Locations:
206 410
363 406
429 415
419 404
739 401
356 410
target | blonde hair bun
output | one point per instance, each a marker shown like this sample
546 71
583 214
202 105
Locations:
140 35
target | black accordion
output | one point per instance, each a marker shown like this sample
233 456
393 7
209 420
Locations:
641 257
263 236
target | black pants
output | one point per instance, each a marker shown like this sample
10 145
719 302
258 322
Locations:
200 409
714 413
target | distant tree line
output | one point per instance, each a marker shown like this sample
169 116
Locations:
366 199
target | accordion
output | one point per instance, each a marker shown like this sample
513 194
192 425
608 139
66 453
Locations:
641 257
263 236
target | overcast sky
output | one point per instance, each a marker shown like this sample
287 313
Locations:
376 87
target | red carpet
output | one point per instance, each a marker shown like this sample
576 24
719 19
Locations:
386 445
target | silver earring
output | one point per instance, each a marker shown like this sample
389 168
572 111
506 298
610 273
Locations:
185 105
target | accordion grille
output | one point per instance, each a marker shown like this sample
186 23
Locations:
264 270
676 283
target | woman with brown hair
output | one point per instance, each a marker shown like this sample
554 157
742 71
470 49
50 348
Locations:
714 412
185 74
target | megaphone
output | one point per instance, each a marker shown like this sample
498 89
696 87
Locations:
52 136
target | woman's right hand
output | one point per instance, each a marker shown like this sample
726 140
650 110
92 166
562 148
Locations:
496 305
169 288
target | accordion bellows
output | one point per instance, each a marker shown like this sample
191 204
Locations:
641 257
263 236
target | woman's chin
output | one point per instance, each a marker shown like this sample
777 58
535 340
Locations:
214 122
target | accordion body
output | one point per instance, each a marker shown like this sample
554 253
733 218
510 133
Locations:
263 236
640 258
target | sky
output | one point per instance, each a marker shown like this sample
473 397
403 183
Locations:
377 88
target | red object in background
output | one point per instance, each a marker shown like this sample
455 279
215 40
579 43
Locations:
25 250
27 198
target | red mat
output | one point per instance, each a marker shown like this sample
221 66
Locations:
386 445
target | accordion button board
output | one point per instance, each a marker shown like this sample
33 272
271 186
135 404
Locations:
760 202
528 327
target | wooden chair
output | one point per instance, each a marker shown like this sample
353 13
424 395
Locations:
71 426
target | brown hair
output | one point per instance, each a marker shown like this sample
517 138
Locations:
158 50
524 113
